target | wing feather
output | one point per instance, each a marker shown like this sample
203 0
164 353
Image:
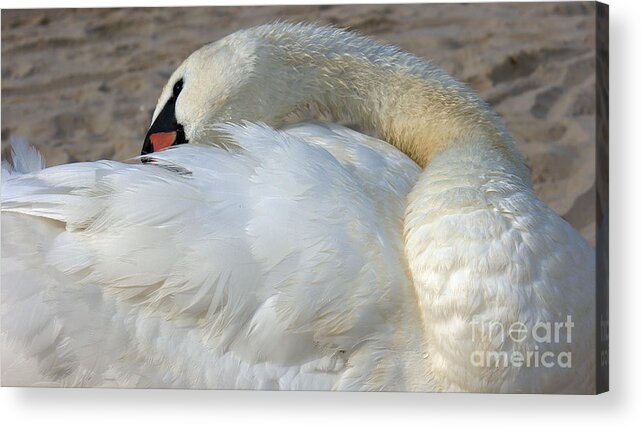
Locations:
263 266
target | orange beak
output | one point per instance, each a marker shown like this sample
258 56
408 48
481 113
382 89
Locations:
162 140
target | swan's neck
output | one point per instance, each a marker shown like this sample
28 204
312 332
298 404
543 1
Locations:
438 122
413 105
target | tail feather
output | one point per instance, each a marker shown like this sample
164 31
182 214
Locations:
24 159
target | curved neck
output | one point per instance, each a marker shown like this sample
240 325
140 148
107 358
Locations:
412 104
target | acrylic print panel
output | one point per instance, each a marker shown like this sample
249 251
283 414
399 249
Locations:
420 235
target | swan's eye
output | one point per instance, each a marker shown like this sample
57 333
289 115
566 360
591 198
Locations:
178 86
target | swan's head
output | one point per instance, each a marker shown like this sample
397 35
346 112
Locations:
266 73
214 84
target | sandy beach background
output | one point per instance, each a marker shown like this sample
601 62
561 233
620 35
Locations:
81 84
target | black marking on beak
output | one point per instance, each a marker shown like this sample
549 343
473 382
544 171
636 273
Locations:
165 131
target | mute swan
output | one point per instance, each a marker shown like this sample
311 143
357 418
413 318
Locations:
306 257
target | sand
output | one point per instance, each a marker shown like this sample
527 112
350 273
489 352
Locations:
81 84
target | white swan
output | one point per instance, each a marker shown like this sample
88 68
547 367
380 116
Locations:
311 257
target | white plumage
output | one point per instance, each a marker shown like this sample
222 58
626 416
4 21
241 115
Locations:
310 257
268 266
